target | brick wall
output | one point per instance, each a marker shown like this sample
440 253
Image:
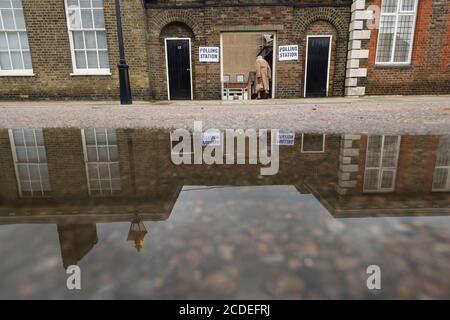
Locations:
429 71
51 55
205 24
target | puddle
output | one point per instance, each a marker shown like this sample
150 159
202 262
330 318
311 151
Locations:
337 205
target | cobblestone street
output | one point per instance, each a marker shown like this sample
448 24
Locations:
388 114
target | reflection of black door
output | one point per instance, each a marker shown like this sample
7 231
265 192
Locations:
317 66
179 65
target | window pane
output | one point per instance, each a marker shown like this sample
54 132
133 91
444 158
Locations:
74 19
86 18
29 137
18 137
90 136
85 3
17 3
403 40
104 60
104 171
373 151
390 152
408 5
20 20
371 179
440 178
78 40
3 44
72 3
103 154
21 153
443 158
101 136
23 171
389 6
115 172
101 39
97 3
5 4
93 171
13 40
387 179
385 38
90 40
5 62
16 59
92 60
80 58
24 40
113 153
92 154
8 20
99 20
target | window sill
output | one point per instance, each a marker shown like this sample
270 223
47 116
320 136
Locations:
393 65
90 73
17 74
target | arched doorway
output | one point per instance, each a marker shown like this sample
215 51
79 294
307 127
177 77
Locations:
177 37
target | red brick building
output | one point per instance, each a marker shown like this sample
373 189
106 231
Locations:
67 49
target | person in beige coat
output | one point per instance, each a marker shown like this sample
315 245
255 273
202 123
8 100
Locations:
263 76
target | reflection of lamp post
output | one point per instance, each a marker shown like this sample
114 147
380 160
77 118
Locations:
137 233
124 77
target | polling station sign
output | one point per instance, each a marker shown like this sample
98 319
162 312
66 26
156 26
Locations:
286 53
211 138
209 54
285 138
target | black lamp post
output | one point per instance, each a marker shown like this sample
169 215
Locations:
124 77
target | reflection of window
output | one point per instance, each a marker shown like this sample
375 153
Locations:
240 78
313 143
102 161
441 181
226 78
381 163
87 35
30 161
395 36
15 58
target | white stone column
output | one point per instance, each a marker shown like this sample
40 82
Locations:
357 33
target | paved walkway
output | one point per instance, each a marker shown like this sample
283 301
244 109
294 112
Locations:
387 114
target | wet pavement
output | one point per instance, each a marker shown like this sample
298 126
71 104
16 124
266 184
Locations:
338 204
371 114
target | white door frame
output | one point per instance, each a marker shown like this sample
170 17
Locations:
167 64
275 56
329 60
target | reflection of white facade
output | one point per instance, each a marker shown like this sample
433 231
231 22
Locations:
441 180
30 162
381 163
102 161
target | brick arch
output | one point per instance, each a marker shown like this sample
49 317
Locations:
162 20
323 14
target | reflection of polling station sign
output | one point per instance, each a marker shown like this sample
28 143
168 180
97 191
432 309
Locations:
209 54
285 138
211 138
286 53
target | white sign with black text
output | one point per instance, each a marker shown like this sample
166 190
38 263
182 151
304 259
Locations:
286 53
211 138
285 138
209 54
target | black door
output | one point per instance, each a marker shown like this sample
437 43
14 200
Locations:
317 66
179 64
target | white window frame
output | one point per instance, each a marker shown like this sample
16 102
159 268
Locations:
84 72
20 72
447 184
381 169
87 162
16 169
323 145
397 14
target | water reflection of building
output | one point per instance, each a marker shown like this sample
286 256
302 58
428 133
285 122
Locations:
76 178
